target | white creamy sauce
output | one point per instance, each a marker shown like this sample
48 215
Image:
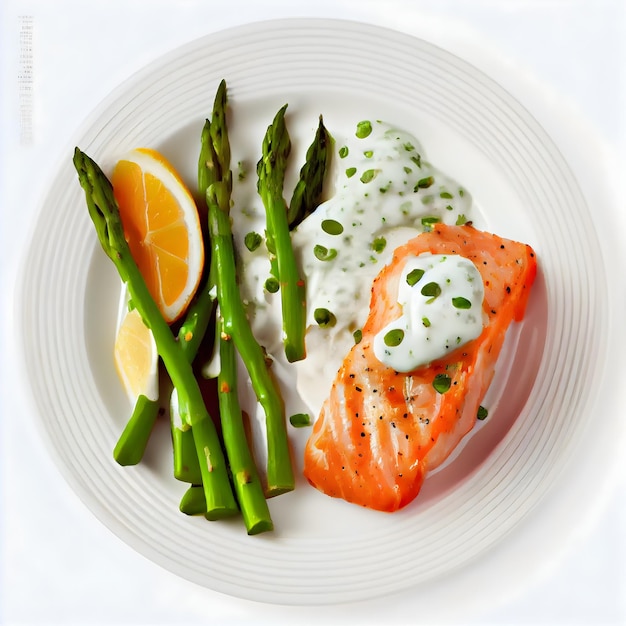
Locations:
386 192
383 183
441 298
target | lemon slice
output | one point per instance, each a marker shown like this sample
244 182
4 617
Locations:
135 354
162 227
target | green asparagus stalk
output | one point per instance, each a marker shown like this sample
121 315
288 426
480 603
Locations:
248 486
308 191
201 311
104 213
193 501
190 335
131 445
236 326
215 160
211 168
271 177
186 463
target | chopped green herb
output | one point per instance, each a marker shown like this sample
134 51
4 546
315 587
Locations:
446 194
461 192
350 172
429 199
394 337
252 241
431 289
426 322
460 220
417 160
241 170
300 420
407 170
343 152
363 129
414 276
482 413
424 183
324 318
408 146
368 176
461 303
379 244
272 285
323 253
442 383
368 154
358 335
449 207
332 227
430 220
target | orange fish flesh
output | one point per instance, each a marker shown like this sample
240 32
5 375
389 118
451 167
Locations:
380 431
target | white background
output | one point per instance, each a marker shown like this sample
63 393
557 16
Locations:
564 60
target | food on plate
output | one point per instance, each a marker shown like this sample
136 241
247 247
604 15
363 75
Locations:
136 361
162 228
104 212
271 176
385 191
269 297
234 335
411 388
280 218
136 357
148 209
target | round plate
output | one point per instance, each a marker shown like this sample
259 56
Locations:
324 550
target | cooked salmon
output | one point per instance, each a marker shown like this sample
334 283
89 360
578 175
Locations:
380 431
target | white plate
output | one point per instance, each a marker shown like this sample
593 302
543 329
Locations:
323 550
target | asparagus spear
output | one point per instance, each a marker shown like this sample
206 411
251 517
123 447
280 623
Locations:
215 172
308 190
213 165
248 486
192 330
104 212
186 463
271 176
202 309
131 445
190 335
214 161
237 327
193 501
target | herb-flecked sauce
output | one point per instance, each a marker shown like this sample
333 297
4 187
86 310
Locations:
385 193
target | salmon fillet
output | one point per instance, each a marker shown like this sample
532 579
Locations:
380 431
